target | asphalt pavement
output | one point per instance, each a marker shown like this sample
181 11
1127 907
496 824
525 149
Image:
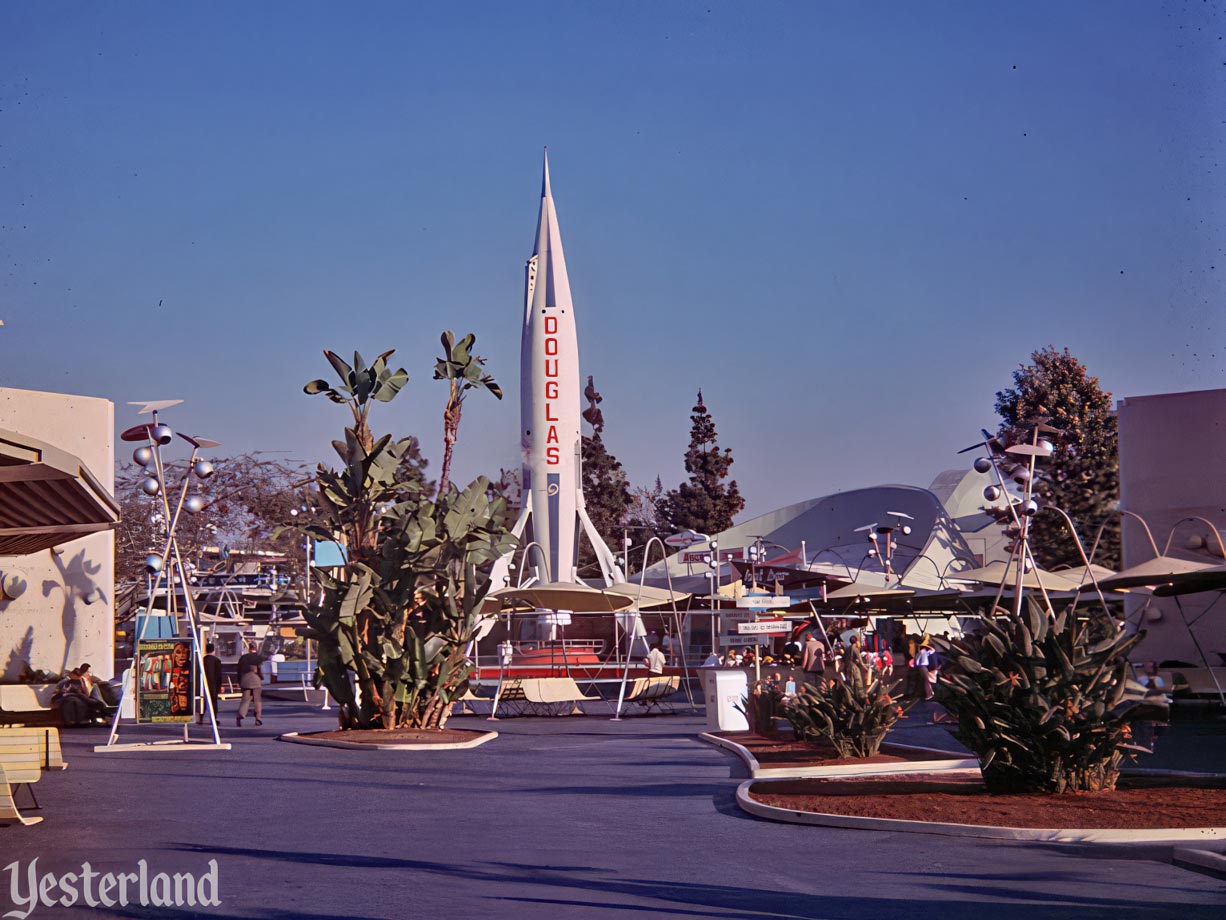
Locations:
570 818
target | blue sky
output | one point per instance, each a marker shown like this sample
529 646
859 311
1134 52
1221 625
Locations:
848 223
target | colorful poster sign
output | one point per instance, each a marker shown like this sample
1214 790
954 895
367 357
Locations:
165 680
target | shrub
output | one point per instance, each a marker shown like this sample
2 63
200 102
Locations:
854 716
1044 704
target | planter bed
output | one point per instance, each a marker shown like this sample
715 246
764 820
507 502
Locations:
448 739
1144 808
783 756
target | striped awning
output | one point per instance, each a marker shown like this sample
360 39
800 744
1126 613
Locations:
47 497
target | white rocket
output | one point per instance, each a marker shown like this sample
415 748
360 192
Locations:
553 508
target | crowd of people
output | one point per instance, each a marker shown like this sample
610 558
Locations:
840 649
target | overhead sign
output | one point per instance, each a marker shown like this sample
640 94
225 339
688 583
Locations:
763 601
165 681
740 640
765 628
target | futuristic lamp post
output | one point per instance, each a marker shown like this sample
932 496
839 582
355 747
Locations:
166 567
885 549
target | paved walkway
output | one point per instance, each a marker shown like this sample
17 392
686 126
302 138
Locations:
569 818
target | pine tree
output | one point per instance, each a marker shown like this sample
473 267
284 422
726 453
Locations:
704 503
606 489
1082 475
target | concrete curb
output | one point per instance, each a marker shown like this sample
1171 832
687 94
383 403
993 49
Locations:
1207 862
295 738
1031 834
757 771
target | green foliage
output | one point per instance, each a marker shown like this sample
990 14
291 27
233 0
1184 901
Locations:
853 715
463 371
1042 701
1082 475
399 616
704 503
764 705
606 488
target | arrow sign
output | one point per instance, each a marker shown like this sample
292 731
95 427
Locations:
763 601
764 627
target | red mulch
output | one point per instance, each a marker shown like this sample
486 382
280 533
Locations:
784 751
1138 802
398 736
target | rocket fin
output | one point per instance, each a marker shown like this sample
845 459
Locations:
500 574
608 564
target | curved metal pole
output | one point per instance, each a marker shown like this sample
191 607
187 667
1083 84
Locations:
838 556
544 560
1212 529
1086 562
1120 511
621 692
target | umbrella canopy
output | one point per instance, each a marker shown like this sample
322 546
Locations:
1210 579
561 596
647 596
871 592
1161 570
996 573
1081 574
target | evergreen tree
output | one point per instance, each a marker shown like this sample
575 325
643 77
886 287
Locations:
606 490
1082 475
704 503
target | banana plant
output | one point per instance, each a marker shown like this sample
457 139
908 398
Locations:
394 624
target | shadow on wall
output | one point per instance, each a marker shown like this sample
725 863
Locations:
78 587
19 656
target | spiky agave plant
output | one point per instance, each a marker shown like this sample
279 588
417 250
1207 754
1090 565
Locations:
1044 702
854 716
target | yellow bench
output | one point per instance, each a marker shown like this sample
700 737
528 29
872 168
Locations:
543 696
8 807
653 692
21 756
46 736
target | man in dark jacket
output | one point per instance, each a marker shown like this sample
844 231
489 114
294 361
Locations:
212 677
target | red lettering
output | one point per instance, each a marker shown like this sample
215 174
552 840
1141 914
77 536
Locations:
549 416
551 346
551 390
551 454
548 372
551 325
552 437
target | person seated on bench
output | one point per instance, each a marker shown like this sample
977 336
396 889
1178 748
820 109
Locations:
73 701
96 689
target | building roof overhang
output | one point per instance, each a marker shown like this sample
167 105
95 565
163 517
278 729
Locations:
47 497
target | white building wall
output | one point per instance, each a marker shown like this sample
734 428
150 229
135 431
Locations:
50 625
1172 449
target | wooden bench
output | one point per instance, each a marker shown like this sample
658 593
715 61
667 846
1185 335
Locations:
654 692
8 807
21 756
510 698
554 696
47 737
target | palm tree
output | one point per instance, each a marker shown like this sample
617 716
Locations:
462 371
